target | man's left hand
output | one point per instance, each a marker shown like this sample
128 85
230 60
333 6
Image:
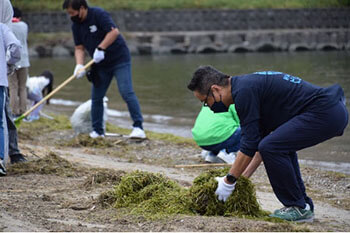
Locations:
224 189
99 55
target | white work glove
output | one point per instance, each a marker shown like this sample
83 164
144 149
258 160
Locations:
99 55
224 189
79 71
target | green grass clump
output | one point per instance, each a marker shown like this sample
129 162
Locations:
50 164
155 196
151 195
241 203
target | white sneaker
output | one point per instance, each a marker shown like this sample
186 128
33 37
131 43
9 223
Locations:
228 158
94 134
211 158
137 133
204 154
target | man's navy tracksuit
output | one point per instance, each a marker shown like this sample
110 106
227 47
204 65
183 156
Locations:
281 114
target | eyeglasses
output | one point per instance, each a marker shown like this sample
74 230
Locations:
205 104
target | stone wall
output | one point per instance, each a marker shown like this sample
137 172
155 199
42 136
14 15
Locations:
204 31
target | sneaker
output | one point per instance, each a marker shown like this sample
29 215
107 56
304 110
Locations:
2 168
228 158
204 154
212 158
295 214
94 134
17 158
137 133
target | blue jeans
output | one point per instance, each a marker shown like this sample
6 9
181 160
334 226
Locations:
231 144
2 123
11 127
122 72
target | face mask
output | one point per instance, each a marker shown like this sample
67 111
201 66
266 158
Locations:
76 18
218 107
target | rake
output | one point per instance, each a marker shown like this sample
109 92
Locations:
19 119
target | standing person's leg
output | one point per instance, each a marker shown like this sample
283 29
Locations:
3 136
13 86
22 89
295 163
98 91
124 82
277 150
14 153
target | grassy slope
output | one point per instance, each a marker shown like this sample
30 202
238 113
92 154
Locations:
37 5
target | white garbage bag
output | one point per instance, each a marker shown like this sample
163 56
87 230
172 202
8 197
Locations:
81 118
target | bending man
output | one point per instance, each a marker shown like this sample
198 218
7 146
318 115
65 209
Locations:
279 115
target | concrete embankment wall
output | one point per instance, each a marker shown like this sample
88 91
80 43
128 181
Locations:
207 31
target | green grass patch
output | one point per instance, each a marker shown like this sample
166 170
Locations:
48 38
154 136
59 122
30 130
54 5
84 140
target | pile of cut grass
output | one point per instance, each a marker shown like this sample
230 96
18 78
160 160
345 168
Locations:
50 164
241 203
151 195
154 196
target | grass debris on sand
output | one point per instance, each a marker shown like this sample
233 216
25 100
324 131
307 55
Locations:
50 164
155 196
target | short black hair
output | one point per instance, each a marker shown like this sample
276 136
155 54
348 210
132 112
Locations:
206 76
17 13
74 4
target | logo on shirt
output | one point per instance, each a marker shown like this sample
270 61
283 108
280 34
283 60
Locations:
93 28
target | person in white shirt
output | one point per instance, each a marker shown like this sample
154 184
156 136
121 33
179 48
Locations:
38 87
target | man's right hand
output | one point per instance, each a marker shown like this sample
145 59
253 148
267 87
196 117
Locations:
79 71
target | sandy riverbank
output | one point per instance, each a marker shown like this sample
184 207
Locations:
55 201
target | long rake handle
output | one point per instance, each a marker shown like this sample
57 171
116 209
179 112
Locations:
54 91
203 165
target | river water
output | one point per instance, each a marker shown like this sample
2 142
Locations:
160 84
